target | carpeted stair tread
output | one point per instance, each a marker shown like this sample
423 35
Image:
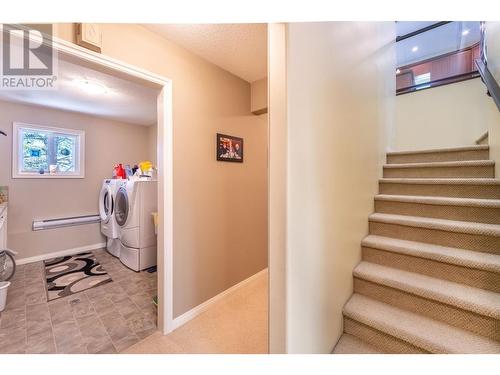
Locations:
431 263
349 344
441 181
473 152
441 150
441 164
452 186
460 257
465 297
428 334
438 224
441 201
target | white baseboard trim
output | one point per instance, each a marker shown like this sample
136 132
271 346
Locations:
194 312
55 254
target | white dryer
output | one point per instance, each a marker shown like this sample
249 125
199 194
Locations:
109 227
134 204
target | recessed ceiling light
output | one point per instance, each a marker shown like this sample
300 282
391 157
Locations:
414 49
91 87
398 71
465 32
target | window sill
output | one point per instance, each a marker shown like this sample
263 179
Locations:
47 175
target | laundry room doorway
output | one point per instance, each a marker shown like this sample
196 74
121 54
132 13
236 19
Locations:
162 134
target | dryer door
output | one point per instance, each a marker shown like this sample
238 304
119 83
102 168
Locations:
121 206
105 203
111 205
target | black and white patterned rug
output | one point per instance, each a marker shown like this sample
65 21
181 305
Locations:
72 274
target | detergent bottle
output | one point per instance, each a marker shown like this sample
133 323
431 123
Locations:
119 172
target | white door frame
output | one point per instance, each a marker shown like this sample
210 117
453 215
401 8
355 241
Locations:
165 160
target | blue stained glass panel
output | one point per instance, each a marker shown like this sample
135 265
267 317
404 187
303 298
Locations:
35 151
65 151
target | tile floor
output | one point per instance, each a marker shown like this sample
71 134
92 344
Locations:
105 319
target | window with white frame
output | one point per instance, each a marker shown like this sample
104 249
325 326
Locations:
421 79
47 152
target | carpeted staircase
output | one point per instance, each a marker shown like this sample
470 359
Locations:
429 279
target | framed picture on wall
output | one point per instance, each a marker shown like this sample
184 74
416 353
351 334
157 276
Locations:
229 148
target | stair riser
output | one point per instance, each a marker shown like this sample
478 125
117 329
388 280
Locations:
440 172
466 241
349 344
456 191
463 275
467 320
382 341
439 156
461 213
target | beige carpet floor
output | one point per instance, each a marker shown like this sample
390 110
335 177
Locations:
236 324
429 277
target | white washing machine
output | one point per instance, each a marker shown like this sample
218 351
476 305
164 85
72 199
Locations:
134 204
109 227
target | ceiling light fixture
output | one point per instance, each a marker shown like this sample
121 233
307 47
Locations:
398 71
465 32
414 49
91 87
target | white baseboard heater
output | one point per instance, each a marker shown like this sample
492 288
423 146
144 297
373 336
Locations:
65 222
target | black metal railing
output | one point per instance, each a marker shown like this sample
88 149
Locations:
422 30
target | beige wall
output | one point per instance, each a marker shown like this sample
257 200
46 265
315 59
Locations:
493 114
219 209
446 116
258 102
494 135
493 47
106 144
337 129
224 221
277 187
152 144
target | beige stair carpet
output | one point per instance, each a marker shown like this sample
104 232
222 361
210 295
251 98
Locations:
349 344
442 187
428 334
452 208
449 169
480 152
429 279
477 269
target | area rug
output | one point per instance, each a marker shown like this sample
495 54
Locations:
72 274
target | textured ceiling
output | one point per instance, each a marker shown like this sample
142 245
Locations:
238 48
124 100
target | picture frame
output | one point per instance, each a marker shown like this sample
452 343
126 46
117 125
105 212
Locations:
229 148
